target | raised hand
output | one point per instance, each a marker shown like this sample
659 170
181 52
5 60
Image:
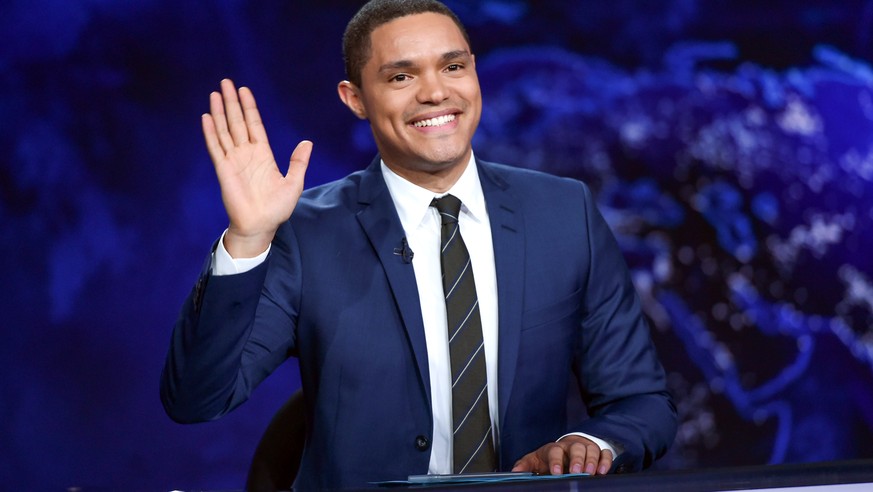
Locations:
256 195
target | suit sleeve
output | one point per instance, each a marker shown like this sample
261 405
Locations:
621 380
233 331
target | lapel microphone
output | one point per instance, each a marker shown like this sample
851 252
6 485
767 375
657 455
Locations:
404 251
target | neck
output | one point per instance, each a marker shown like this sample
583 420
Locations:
438 180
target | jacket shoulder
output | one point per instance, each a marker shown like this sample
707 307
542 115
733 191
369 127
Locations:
525 181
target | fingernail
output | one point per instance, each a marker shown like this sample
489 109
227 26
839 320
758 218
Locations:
589 468
577 468
556 470
602 470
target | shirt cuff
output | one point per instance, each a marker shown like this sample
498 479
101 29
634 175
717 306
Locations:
224 264
615 449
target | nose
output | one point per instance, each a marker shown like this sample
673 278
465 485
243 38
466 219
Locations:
432 89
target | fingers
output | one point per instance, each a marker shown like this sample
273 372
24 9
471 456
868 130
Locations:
584 456
549 459
572 455
235 120
219 122
525 464
557 459
216 152
605 463
254 126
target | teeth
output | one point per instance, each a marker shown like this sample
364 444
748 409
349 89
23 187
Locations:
438 121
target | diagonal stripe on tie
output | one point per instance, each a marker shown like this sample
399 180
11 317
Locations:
448 242
474 309
470 413
460 277
476 454
473 358
460 424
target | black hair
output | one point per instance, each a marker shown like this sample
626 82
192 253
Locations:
356 39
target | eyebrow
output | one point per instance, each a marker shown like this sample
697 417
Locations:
403 64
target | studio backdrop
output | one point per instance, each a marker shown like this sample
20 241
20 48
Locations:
730 146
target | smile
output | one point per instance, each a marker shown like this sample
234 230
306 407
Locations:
433 122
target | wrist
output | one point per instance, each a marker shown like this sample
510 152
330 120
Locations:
246 245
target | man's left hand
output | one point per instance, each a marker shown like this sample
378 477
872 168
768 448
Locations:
572 454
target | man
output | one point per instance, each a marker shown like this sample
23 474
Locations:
357 278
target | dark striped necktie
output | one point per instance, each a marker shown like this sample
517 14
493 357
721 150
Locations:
473 447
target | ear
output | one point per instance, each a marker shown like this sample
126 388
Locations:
350 95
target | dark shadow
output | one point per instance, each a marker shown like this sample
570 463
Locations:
277 457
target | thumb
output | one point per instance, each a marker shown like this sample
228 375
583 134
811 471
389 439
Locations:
299 160
525 464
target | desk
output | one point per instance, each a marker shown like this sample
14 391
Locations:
709 480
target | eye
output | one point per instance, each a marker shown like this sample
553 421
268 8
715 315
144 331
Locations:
400 77
454 67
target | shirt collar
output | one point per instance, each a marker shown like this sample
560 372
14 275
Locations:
413 202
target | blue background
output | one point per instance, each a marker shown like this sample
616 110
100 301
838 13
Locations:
730 144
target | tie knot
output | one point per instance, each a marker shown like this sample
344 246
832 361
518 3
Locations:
449 208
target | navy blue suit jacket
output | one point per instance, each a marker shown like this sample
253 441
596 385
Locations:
334 293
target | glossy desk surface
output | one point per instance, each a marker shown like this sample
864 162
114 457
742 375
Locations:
804 477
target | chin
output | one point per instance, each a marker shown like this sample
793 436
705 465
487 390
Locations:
447 156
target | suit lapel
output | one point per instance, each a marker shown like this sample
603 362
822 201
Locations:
507 236
379 220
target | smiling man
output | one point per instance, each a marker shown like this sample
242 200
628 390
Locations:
420 93
439 305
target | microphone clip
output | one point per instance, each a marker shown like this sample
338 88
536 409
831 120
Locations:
404 251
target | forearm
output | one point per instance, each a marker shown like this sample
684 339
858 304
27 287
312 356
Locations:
642 426
622 382
203 377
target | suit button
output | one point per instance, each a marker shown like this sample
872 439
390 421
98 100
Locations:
421 443
622 468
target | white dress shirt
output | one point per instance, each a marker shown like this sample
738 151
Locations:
422 224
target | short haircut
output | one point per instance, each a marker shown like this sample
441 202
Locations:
356 39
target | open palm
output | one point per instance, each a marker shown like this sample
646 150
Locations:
256 195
